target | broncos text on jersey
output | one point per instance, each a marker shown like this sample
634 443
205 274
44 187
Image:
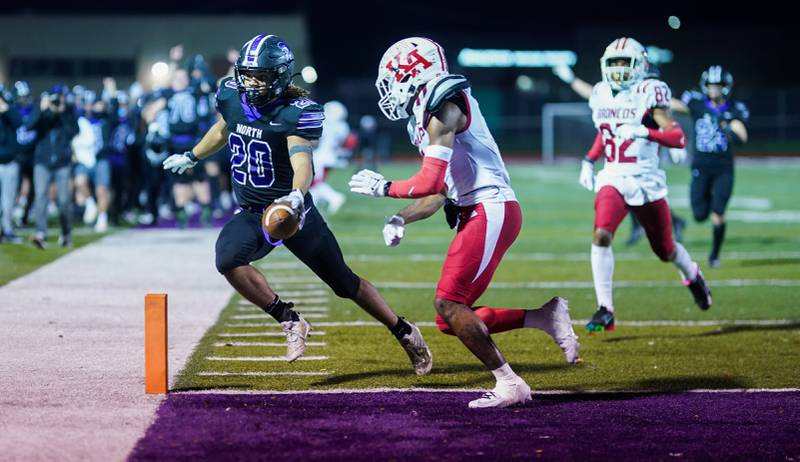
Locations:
632 106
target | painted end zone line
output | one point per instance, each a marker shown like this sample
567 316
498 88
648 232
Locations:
462 390
265 358
259 374
262 344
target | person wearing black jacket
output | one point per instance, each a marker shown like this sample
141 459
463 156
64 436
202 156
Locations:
9 168
55 124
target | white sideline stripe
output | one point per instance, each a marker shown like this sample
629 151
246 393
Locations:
265 334
301 309
259 374
347 391
266 316
265 358
711 322
590 285
583 256
262 344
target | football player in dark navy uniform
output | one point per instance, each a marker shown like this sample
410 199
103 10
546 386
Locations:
269 125
183 106
719 124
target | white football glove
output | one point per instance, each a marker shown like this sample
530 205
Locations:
394 230
368 183
629 132
565 73
179 163
296 202
678 155
586 178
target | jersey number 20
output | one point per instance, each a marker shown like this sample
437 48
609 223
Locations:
251 162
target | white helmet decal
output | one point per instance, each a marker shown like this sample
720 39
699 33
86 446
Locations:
405 68
620 77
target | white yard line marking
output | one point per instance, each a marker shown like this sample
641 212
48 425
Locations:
590 285
476 390
266 316
262 344
296 300
300 309
292 294
705 323
265 358
581 256
265 334
261 374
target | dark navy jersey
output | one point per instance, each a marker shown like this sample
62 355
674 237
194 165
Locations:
260 167
182 109
710 140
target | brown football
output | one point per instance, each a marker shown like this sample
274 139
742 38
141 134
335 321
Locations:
280 221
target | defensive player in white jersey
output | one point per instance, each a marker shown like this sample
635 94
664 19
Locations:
462 162
335 132
632 116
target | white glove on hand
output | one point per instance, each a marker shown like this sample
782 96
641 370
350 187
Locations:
678 155
295 198
394 230
179 163
587 175
368 183
629 132
565 73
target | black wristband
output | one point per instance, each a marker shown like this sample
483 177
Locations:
386 188
191 156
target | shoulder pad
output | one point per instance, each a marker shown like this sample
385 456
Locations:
227 89
442 88
305 117
656 93
742 110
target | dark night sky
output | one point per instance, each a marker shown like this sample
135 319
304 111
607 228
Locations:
347 38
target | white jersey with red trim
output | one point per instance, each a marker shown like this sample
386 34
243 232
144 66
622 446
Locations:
476 172
630 165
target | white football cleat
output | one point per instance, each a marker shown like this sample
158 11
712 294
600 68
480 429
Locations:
504 395
296 335
417 351
560 328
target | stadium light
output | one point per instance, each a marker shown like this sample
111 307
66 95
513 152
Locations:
524 83
160 70
309 74
674 22
470 57
658 55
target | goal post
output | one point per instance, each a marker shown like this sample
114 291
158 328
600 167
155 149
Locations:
567 130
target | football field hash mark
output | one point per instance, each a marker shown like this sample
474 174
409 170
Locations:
263 334
263 344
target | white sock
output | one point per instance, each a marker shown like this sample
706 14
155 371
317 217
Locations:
603 275
683 261
504 374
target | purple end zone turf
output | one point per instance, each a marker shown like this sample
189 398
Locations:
439 426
